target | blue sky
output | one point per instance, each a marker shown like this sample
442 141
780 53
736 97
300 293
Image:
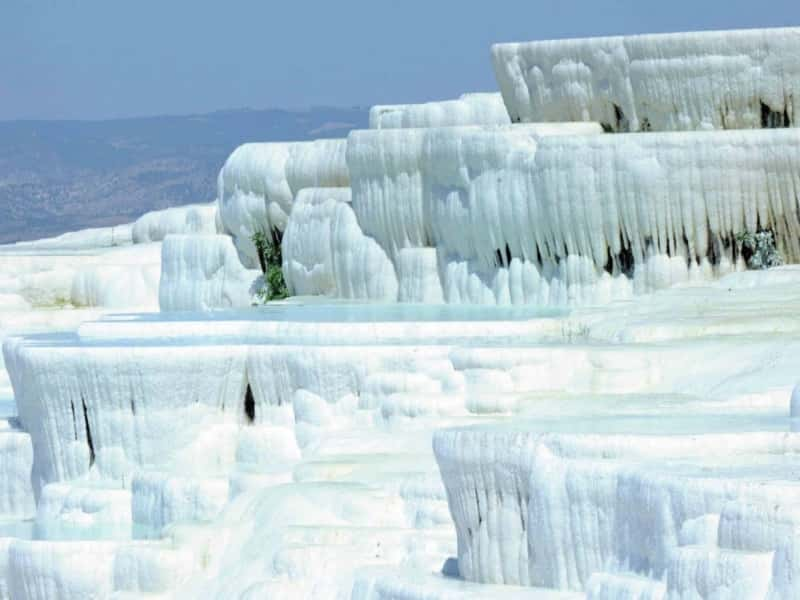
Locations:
94 59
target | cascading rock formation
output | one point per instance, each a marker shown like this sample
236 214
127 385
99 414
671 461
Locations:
526 352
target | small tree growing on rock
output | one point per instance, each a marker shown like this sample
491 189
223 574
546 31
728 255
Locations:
758 249
271 261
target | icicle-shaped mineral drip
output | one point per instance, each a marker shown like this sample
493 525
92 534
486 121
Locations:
706 80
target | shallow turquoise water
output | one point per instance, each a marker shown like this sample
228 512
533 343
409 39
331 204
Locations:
8 408
356 312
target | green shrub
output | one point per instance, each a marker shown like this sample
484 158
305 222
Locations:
758 250
271 260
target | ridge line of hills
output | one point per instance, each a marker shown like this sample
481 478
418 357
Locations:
59 176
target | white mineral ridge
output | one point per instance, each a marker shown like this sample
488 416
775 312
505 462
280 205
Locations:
203 272
150 569
170 433
258 183
85 239
24 320
16 461
154 226
706 80
54 284
83 510
356 358
643 447
607 586
469 109
43 570
159 499
325 252
500 206
335 471
306 245
418 276
551 510
309 321
38 279
406 584
120 278
123 276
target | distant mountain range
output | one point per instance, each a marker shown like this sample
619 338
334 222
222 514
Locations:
58 176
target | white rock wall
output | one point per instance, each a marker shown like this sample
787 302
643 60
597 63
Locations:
125 277
518 216
326 253
124 408
203 272
16 461
154 226
307 245
258 183
665 82
41 570
552 510
469 109
84 239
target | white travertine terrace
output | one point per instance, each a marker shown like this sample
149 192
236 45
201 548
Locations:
627 430
191 218
120 278
499 205
344 395
202 272
665 82
116 277
552 510
325 252
469 109
96 237
258 183
166 417
16 460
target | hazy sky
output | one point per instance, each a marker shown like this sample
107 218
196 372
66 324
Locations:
93 59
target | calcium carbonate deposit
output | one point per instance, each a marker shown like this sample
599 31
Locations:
530 351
